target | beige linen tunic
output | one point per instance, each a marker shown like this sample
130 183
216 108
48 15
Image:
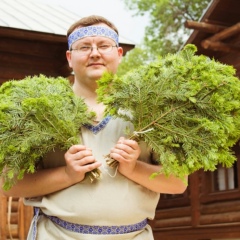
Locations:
109 201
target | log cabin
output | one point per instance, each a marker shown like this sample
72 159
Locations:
209 209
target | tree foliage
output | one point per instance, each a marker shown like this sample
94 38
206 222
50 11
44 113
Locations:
166 32
136 58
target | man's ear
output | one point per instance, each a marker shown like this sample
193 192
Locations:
120 53
69 58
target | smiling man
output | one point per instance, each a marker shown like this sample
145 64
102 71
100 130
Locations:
117 206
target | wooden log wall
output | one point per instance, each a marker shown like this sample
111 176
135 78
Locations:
200 213
21 58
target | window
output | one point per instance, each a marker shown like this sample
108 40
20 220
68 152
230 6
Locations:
225 178
222 184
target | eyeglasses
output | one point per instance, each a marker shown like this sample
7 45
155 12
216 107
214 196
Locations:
86 50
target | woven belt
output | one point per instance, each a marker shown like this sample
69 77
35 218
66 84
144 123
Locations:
99 230
88 229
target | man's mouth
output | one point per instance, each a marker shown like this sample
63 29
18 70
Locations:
95 64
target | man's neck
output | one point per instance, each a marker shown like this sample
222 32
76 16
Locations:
88 93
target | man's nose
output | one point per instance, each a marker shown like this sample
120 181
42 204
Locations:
94 50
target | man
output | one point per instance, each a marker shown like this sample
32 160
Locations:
116 206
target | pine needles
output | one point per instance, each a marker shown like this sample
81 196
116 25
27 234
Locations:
186 107
37 114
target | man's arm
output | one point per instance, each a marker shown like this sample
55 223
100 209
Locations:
79 161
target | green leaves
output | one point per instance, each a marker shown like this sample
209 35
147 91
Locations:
165 32
191 102
37 114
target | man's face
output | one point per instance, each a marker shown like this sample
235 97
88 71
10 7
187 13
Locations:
91 66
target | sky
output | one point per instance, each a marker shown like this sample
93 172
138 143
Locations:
130 27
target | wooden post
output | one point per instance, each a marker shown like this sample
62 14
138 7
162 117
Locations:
3 217
194 196
21 229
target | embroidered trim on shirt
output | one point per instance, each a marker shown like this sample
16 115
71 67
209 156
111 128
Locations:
98 230
35 220
99 127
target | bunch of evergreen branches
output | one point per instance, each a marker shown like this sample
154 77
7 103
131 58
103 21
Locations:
37 115
185 107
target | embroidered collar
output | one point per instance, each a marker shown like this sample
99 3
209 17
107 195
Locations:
99 127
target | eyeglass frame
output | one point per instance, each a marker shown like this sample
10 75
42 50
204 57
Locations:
91 49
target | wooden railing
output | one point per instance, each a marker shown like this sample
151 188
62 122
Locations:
15 218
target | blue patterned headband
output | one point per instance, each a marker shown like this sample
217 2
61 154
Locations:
92 31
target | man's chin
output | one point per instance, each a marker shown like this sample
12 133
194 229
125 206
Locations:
97 75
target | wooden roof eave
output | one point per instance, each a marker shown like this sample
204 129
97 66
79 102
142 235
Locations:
220 33
31 35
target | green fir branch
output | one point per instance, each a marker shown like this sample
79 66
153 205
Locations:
37 114
191 103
